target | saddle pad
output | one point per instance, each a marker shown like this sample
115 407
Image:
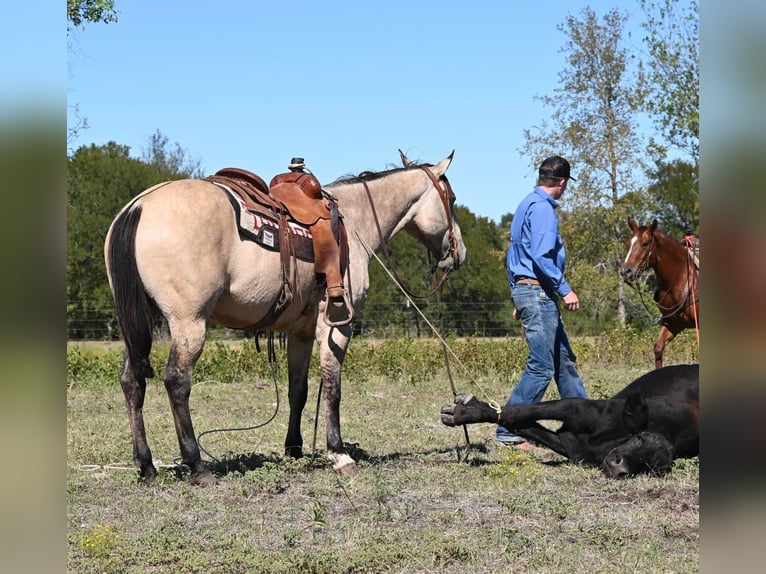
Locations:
265 231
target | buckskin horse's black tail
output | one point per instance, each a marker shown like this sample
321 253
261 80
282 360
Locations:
136 311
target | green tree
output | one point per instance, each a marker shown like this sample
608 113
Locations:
465 298
170 158
100 181
80 11
675 198
672 42
673 46
594 123
477 294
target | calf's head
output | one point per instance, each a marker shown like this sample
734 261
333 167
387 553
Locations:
644 453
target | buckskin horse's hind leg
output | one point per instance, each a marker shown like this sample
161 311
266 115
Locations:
133 383
188 339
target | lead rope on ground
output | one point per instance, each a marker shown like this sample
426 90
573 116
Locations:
271 352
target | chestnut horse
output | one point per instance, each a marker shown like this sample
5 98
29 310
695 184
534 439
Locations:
175 250
677 273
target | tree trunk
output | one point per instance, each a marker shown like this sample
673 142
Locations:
621 305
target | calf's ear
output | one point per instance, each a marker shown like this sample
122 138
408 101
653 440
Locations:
635 415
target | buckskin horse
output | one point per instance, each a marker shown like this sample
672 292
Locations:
677 273
176 250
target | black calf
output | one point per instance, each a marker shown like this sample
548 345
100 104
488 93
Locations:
641 429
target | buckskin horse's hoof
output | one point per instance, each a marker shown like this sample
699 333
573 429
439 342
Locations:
345 465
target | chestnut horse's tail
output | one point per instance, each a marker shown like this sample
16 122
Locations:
136 311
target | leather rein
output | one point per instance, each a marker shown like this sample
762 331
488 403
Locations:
446 195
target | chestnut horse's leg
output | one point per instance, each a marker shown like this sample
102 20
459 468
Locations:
133 383
188 339
665 336
299 347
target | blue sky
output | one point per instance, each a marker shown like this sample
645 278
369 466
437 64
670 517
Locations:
342 84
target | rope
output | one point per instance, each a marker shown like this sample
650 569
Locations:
384 246
272 359
445 346
316 419
449 371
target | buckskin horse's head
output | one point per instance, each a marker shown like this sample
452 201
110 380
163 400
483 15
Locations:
436 219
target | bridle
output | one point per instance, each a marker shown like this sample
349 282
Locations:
447 197
646 262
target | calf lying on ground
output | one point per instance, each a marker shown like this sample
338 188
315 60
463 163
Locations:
641 429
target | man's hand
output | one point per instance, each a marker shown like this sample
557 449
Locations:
571 301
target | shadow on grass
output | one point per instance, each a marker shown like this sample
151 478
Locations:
242 463
460 454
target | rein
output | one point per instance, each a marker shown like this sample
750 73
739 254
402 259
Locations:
691 263
444 194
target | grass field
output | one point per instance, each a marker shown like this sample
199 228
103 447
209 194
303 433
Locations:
414 506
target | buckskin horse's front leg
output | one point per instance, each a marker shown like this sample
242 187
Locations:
299 347
333 342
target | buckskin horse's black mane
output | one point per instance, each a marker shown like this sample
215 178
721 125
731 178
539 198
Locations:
373 175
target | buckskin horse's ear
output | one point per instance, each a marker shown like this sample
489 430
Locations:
442 166
653 226
406 162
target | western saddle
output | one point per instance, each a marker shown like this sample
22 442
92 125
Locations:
298 196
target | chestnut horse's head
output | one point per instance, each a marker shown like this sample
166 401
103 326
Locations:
640 250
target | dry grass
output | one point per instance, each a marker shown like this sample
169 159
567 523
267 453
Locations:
413 506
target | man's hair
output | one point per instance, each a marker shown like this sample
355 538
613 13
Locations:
548 181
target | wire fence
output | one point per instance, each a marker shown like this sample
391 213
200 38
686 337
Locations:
90 320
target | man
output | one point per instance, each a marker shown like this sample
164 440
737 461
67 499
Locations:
535 265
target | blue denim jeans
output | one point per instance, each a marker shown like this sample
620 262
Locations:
550 354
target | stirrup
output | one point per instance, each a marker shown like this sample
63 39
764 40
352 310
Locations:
346 304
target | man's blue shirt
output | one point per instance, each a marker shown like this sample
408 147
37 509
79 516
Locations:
536 248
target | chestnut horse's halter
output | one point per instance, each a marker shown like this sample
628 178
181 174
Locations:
447 197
